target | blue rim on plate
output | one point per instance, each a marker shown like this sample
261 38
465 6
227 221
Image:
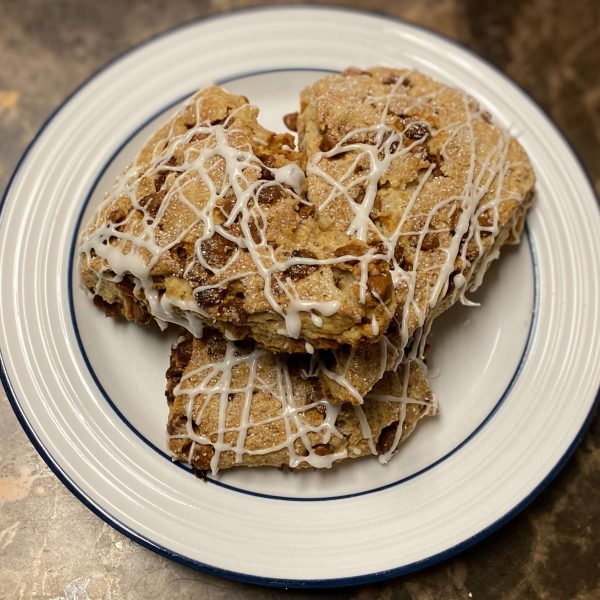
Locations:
296 583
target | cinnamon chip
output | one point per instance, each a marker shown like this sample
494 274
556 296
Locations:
209 297
269 194
381 285
305 211
152 202
296 272
431 241
416 131
323 449
202 457
354 248
485 219
291 121
399 253
328 142
232 310
217 250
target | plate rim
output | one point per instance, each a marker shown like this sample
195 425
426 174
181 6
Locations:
271 582
233 575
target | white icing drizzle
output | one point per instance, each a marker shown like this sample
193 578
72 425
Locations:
483 192
309 348
215 380
386 349
365 429
291 175
374 326
316 319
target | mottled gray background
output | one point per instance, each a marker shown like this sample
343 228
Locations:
52 547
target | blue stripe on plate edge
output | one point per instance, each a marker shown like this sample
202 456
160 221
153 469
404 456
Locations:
309 583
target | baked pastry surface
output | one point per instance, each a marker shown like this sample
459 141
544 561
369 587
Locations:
232 403
426 182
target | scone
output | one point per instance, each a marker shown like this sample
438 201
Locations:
208 225
424 181
232 403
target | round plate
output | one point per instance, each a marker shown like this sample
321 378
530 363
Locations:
516 378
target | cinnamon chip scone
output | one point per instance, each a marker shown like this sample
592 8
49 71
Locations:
208 225
426 182
232 403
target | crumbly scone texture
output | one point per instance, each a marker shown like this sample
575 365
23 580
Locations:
233 404
208 225
360 368
427 177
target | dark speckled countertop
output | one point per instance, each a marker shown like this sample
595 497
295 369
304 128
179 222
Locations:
52 547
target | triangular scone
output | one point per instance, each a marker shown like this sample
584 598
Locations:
208 226
231 403
425 181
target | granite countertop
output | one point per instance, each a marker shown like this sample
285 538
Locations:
52 547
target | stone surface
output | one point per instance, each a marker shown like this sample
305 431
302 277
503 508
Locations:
52 547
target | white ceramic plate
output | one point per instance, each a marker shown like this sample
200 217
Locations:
517 376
